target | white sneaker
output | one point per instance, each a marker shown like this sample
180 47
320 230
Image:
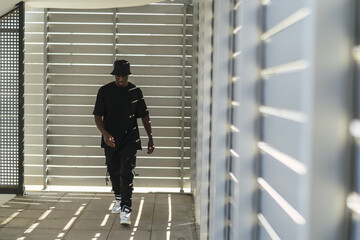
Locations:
116 208
125 215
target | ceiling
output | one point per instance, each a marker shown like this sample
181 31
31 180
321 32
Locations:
7 5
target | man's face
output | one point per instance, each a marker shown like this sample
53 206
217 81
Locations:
121 81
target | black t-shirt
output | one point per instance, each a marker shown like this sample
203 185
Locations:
120 107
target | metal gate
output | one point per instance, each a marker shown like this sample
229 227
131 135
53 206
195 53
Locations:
12 100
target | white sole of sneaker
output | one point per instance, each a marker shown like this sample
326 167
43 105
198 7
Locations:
125 223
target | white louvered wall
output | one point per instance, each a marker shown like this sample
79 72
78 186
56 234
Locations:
33 92
284 121
82 45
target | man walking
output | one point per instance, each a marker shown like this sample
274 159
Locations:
118 105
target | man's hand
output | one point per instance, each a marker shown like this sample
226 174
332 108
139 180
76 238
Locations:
109 140
151 146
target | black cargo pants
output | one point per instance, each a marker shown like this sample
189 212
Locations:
120 163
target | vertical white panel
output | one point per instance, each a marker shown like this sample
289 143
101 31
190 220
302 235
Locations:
304 142
219 126
34 75
244 124
331 91
204 115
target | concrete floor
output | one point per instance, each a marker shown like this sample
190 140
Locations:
77 216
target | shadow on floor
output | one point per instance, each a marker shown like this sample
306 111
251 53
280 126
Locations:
77 216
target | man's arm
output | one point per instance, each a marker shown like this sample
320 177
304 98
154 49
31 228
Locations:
147 125
109 140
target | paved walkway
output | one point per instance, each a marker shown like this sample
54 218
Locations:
77 216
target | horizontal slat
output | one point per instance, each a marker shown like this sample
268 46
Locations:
144 60
93 69
99 81
100 161
86 18
34 149
274 173
33 180
33 130
33 139
166 30
90 100
92 90
80 49
34 68
34 88
34 159
94 131
155 122
34 58
33 170
156 19
33 110
155 50
283 135
70 110
34 119
285 47
97 151
34 27
34 16
37 78
33 38
165 9
277 11
290 96
68 38
166 183
79 28
277 217
101 171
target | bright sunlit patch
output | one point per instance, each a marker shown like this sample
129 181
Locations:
45 214
68 225
236 54
235 103
268 227
137 219
111 205
234 153
232 176
284 68
284 113
294 18
6 221
31 228
80 209
237 29
234 129
106 218
353 202
26 203
285 159
60 235
355 128
168 230
293 214
356 53
96 236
